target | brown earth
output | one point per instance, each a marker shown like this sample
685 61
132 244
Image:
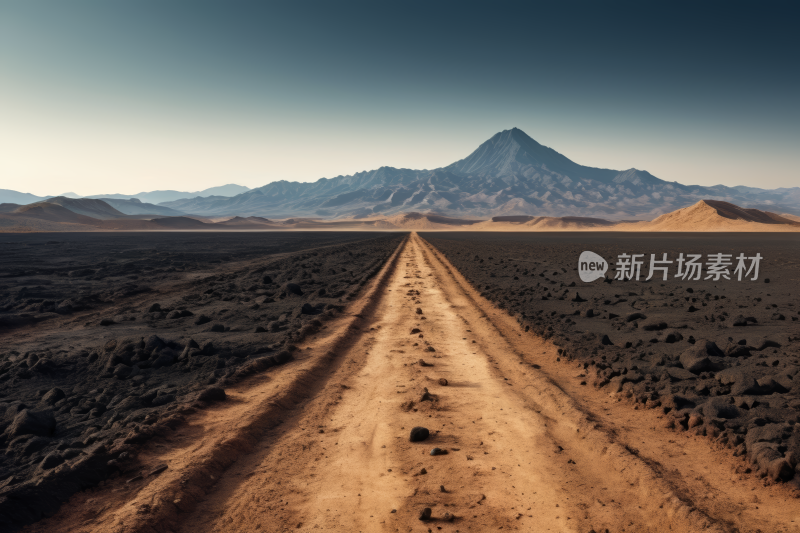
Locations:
323 442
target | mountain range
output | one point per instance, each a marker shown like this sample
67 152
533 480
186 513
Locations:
147 198
509 174
86 214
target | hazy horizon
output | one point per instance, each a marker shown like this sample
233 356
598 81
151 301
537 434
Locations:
101 98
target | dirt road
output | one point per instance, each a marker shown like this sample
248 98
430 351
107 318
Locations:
323 445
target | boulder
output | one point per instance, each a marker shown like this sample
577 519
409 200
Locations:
53 395
122 371
780 470
293 288
162 400
419 434
154 343
720 407
27 422
212 394
697 358
163 360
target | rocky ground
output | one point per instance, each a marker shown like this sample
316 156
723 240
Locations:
110 339
720 358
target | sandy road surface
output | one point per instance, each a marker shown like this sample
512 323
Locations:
325 444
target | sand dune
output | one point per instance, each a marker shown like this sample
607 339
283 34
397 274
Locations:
712 215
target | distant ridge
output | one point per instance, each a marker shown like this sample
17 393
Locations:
510 174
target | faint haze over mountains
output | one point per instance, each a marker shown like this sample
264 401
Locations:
118 97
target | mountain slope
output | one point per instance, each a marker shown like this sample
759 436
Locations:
157 197
7 196
86 206
134 206
509 174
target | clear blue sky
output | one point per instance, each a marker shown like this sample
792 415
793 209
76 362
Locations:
107 96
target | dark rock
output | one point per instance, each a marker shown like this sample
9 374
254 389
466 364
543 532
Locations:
107 322
212 394
202 319
635 316
27 422
696 359
438 451
780 470
425 514
282 357
740 321
162 400
419 434
53 395
51 460
157 470
122 371
578 298
720 407
654 326
34 445
606 341
217 328
673 337
745 385
308 309
163 360
155 308
154 343
767 343
293 288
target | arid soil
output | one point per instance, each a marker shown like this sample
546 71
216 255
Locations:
720 358
425 407
107 339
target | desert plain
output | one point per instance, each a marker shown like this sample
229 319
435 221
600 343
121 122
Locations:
433 381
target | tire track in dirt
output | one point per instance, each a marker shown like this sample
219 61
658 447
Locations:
515 460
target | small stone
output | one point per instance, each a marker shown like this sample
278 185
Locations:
425 514
157 470
419 434
442 382
438 451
